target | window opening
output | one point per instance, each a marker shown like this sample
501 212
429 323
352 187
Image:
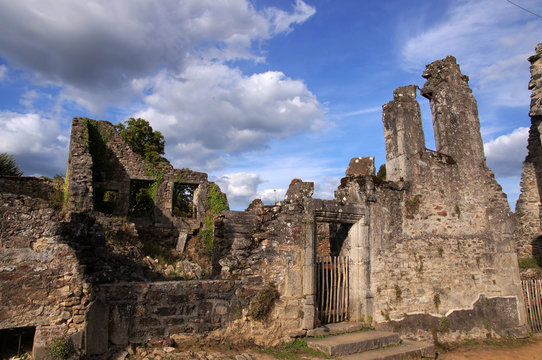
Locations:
183 199
141 201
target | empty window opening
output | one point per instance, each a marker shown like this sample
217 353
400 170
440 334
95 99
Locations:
141 201
105 200
16 342
183 199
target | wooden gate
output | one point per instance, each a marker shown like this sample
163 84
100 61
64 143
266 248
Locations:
532 297
332 288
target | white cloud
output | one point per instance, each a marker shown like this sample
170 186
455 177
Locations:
282 21
505 154
3 72
94 49
38 144
211 109
271 196
491 42
241 188
28 98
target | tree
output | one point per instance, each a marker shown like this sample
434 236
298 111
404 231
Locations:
8 165
143 140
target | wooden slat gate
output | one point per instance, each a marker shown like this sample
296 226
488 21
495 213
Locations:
532 297
332 287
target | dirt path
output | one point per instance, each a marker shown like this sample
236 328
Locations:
528 351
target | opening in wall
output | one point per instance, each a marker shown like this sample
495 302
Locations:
183 199
105 200
16 342
141 198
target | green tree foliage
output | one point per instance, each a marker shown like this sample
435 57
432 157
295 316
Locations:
143 140
8 165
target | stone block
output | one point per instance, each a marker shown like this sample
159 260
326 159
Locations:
361 166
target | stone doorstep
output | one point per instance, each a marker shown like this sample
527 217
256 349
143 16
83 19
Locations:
346 344
406 351
335 328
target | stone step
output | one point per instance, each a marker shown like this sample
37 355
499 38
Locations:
346 344
406 351
335 328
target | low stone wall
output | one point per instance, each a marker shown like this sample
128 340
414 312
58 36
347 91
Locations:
139 311
31 186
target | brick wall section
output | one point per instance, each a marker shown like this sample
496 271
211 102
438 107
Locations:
528 207
140 311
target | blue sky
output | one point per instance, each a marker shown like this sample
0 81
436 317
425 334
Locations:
257 93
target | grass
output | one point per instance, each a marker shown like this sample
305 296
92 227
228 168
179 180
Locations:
530 263
295 350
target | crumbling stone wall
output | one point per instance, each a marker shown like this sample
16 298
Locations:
138 311
442 241
264 247
42 282
79 171
528 207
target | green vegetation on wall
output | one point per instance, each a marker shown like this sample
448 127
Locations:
102 169
261 306
217 200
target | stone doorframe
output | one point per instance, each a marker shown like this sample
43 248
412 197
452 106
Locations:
360 298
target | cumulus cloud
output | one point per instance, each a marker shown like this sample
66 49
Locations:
169 62
39 144
211 109
96 48
241 188
491 41
505 154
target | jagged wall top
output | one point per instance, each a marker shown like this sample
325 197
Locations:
455 113
536 82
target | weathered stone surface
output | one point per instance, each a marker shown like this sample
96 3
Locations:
455 112
403 133
528 206
361 166
299 190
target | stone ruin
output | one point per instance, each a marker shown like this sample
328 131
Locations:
528 207
429 252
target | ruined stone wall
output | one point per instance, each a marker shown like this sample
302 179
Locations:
79 171
444 241
260 247
528 207
138 311
46 189
42 282
403 133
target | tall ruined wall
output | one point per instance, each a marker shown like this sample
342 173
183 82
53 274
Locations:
79 171
528 207
448 245
457 128
403 133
